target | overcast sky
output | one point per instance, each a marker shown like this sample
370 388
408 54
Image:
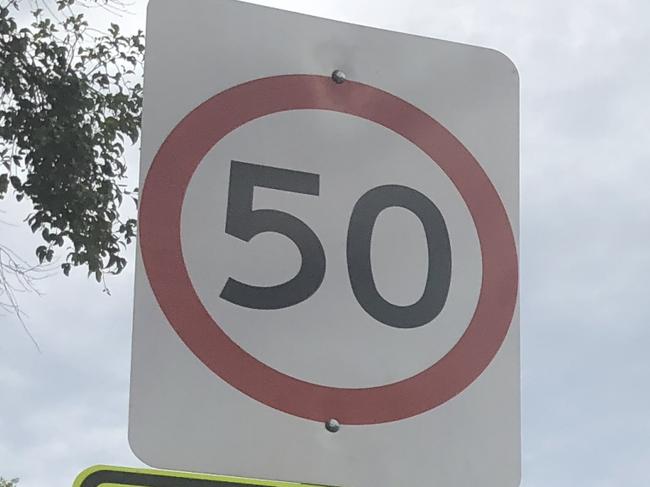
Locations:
585 165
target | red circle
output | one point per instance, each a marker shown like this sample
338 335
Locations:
160 241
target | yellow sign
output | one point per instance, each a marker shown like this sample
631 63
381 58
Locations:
105 476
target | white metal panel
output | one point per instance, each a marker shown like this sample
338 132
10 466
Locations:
182 414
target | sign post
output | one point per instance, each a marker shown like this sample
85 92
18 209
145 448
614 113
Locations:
102 475
326 286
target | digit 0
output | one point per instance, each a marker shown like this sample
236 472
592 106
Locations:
362 222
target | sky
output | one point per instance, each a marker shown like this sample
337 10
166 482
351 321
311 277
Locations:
585 229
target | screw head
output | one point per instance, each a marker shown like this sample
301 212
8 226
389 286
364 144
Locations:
332 425
339 76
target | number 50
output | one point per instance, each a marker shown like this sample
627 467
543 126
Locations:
244 223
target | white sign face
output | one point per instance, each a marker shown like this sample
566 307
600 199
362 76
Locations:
326 288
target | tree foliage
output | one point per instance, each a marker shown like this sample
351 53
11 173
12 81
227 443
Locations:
8 483
70 101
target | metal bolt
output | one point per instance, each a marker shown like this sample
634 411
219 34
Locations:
338 76
332 425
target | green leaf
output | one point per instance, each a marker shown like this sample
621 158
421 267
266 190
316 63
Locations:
4 184
15 182
70 101
41 252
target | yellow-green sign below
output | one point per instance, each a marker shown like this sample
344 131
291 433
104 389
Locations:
105 476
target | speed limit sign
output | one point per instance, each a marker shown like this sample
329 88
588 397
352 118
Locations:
326 288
